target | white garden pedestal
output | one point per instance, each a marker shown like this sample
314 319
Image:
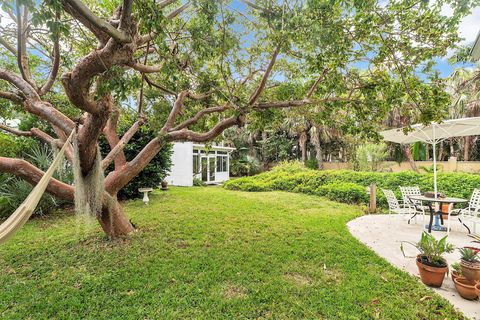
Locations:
145 192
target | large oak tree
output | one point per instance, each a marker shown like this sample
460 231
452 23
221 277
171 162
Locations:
193 69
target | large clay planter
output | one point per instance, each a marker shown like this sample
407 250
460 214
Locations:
477 289
465 288
471 271
431 276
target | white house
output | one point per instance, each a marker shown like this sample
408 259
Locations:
189 161
475 53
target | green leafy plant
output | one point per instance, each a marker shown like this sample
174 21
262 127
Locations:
431 248
370 156
295 177
456 267
198 182
343 192
153 174
469 255
429 169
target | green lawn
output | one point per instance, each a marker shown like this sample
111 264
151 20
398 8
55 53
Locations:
209 253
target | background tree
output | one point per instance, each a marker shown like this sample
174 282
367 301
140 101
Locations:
464 88
192 70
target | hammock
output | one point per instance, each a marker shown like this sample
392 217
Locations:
25 210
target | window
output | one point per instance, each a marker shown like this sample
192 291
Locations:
222 163
196 166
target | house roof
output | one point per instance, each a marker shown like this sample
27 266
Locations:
214 148
475 53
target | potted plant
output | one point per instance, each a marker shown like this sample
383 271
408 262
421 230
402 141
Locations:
456 271
470 264
431 264
164 185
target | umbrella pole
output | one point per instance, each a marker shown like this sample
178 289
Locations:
434 144
434 169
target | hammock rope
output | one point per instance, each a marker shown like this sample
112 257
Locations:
25 210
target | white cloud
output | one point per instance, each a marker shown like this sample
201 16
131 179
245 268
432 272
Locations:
469 26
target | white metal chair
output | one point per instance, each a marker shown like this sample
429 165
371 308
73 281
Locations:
395 207
471 213
413 191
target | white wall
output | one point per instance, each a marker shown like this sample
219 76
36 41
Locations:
182 165
221 176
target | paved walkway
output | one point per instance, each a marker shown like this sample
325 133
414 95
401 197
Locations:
383 234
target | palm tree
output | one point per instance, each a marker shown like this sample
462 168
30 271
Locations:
464 88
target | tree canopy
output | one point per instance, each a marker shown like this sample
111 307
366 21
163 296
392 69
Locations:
193 69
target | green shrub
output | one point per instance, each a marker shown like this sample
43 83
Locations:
350 186
198 182
153 173
343 192
13 190
311 164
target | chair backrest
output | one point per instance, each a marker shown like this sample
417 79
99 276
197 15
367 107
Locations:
474 203
410 191
391 199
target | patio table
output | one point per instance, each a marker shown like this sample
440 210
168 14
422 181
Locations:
430 202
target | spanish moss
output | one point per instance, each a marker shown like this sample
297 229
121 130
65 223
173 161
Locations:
89 189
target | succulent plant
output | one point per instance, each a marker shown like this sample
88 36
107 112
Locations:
469 255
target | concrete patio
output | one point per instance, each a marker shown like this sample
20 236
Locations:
383 234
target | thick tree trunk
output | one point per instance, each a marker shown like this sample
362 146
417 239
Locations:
427 152
408 154
302 141
452 148
114 221
319 156
315 138
466 148
441 151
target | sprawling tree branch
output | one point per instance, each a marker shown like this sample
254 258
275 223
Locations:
117 149
256 94
177 107
22 54
158 86
55 67
199 115
41 135
32 175
8 46
83 11
35 105
144 68
297 103
110 132
316 83
11 96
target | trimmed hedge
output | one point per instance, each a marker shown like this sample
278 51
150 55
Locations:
350 186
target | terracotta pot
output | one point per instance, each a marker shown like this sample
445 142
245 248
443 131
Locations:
471 271
455 275
477 289
431 276
465 288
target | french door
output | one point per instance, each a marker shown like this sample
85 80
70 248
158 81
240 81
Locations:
208 168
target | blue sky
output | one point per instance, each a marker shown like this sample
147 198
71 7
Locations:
468 30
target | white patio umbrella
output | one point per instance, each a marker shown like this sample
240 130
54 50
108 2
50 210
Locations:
433 134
